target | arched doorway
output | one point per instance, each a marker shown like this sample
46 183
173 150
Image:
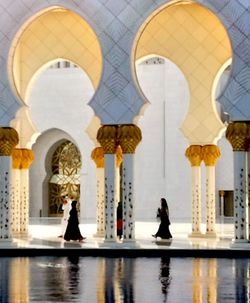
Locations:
65 178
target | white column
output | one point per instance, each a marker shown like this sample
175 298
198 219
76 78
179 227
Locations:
238 135
8 140
15 201
110 186
210 201
210 154
5 228
196 201
128 197
24 202
194 154
240 197
128 137
100 215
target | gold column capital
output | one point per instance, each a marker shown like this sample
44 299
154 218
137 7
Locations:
97 155
194 154
210 154
237 134
106 136
8 140
129 136
27 158
119 157
16 158
22 158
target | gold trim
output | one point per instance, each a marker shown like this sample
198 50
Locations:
129 137
8 140
106 136
97 155
237 134
194 154
210 154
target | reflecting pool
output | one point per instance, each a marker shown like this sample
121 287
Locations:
87 279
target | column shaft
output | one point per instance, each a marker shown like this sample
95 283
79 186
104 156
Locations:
5 164
128 197
240 197
210 201
24 202
196 201
110 186
15 201
100 203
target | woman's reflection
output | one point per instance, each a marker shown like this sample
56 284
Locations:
165 277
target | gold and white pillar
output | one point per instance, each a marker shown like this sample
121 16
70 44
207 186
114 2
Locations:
8 140
210 154
128 137
238 135
194 154
98 156
106 136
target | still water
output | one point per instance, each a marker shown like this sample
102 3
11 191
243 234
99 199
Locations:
142 280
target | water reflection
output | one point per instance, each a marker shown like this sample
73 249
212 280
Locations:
107 280
165 277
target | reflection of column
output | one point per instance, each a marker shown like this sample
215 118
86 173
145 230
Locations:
197 286
128 137
101 281
241 279
107 137
19 280
8 140
22 159
237 134
210 154
98 156
193 153
222 201
212 281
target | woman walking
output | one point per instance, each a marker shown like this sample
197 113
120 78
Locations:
163 230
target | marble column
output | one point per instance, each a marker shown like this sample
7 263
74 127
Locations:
128 137
21 161
106 136
222 202
98 156
194 154
119 159
238 135
8 140
210 154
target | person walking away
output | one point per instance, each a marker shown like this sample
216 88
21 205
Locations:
72 230
163 230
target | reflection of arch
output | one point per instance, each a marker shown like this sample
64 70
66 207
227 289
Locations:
55 33
65 179
193 38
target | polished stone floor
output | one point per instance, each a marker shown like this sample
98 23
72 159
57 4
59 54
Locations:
43 238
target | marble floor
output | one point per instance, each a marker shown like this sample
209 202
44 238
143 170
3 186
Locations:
43 239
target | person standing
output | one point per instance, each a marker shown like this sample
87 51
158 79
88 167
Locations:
72 230
163 213
119 220
66 207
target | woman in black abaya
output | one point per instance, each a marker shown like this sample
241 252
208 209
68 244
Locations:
72 230
163 230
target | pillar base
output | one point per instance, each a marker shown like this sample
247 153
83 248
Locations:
99 234
196 234
210 234
240 244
